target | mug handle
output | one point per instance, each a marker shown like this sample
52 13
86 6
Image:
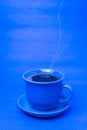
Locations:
64 98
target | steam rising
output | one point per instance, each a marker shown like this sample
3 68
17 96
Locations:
58 50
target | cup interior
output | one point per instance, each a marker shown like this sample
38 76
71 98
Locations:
44 78
43 75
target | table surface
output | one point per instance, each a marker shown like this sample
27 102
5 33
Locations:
32 33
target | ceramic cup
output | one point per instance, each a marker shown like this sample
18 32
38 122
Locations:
44 88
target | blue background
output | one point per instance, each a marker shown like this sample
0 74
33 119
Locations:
29 34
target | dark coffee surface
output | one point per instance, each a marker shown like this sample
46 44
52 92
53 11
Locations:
44 78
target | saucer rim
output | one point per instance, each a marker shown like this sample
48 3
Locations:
38 113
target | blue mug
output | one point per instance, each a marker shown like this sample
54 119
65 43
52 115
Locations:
44 88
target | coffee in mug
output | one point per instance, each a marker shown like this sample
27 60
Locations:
43 78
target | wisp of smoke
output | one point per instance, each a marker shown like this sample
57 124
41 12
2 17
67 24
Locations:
58 50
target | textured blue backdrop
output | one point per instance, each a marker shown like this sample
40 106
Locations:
29 36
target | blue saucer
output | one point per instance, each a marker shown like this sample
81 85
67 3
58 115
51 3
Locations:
28 109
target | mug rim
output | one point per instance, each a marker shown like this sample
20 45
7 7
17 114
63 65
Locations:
46 71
